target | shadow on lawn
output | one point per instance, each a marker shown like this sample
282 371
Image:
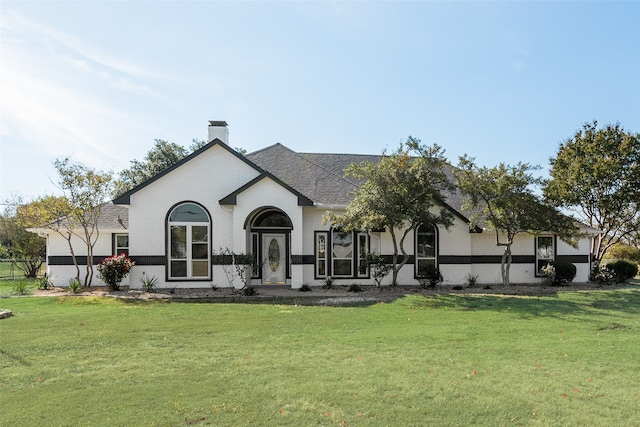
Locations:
584 302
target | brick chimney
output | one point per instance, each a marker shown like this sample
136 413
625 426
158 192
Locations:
219 130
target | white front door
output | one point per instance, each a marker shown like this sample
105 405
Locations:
274 258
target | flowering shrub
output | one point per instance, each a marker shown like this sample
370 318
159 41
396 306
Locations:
113 269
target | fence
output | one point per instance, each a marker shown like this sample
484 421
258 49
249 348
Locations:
9 268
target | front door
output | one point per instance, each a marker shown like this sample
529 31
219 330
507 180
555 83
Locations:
274 258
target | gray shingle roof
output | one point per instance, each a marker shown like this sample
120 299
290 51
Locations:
320 176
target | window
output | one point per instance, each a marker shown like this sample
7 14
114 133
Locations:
321 254
121 244
189 246
426 244
363 249
545 251
342 254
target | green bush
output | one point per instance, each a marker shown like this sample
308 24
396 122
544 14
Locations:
354 288
44 282
623 270
429 276
564 272
21 287
305 288
148 283
249 291
75 285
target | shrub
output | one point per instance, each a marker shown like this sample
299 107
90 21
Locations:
44 282
559 272
623 270
21 287
74 285
328 283
113 269
354 288
429 276
379 268
604 275
458 287
148 283
249 291
472 280
304 288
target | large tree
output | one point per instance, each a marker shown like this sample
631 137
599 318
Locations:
400 192
27 250
504 198
86 190
596 175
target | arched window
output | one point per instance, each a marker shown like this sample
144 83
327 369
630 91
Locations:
189 246
426 248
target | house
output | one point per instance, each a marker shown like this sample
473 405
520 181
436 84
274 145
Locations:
178 225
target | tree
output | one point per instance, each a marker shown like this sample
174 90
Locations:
503 197
161 156
85 190
596 175
400 192
25 248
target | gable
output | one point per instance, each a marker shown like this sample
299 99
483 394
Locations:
125 198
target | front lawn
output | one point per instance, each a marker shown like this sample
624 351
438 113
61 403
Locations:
569 359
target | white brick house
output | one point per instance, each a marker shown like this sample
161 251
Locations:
270 204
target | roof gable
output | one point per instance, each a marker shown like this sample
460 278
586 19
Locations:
231 199
125 199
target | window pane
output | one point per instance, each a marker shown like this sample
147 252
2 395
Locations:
178 269
200 233
426 245
178 241
189 213
545 247
122 240
199 251
200 268
422 264
322 246
342 267
321 268
342 245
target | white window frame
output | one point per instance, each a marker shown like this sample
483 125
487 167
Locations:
541 257
118 249
422 259
188 258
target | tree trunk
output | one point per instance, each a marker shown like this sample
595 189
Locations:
505 264
394 274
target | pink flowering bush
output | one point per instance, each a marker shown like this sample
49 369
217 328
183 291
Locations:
113 269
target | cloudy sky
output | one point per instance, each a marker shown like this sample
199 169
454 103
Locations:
502 81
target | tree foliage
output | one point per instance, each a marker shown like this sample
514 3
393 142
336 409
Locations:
503 197
403 190
25 248
85 190
162 155
596 174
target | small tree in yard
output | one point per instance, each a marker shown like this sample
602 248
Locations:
85 190
503 197
378 266
26 249
403 190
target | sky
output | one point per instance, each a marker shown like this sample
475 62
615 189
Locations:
99 81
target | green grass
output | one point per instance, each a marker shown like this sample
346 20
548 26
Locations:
569 359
